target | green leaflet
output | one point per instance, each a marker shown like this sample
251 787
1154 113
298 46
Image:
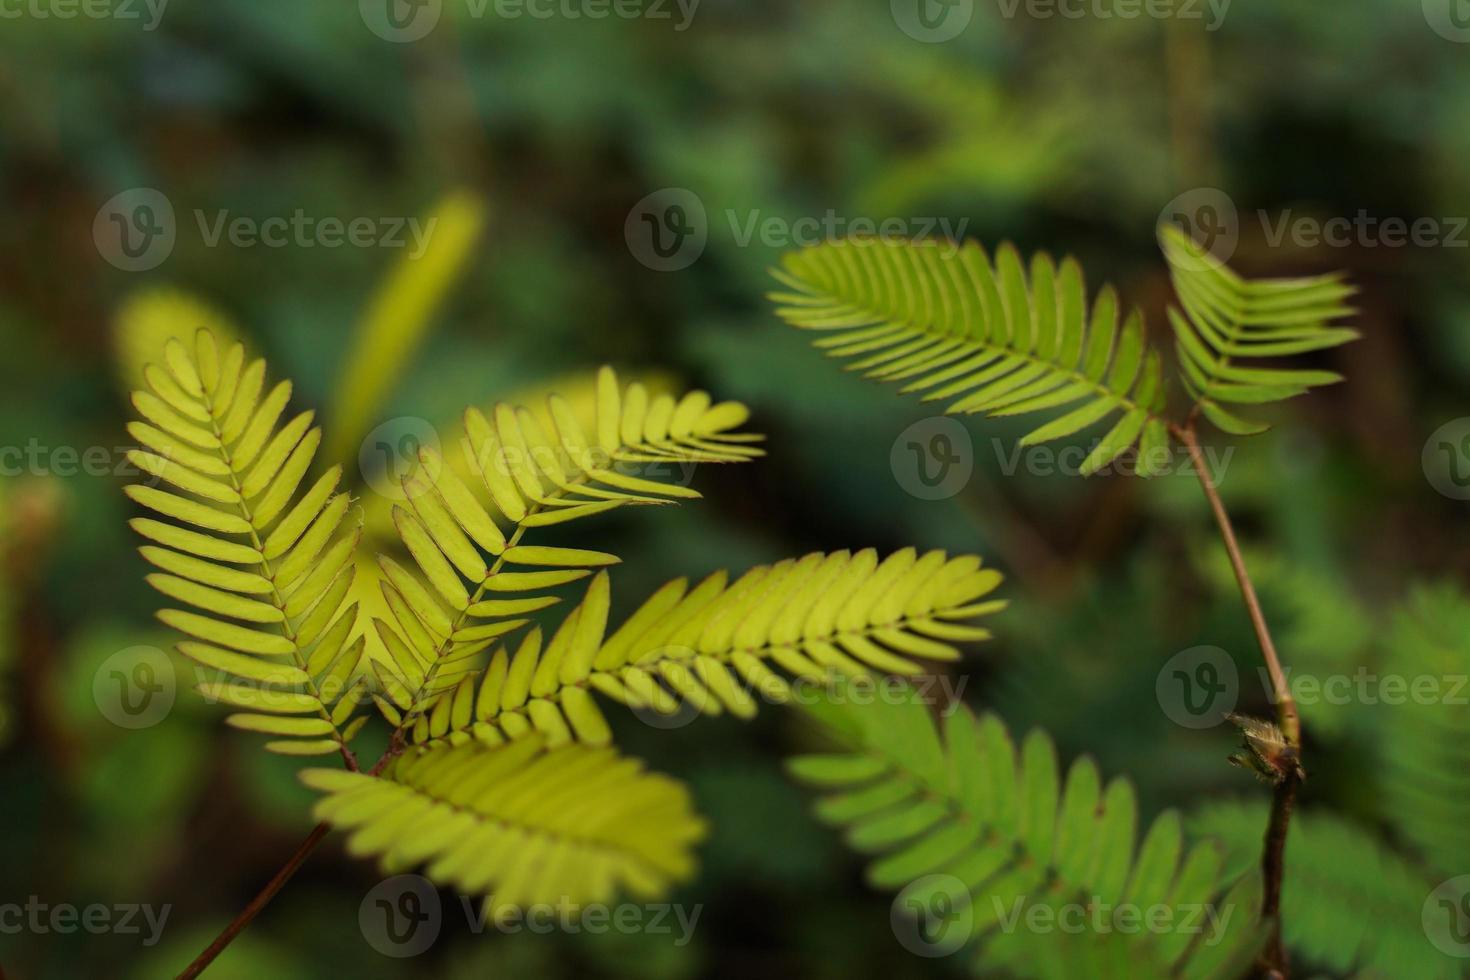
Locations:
236 550
994 338
989 841
399 315
475 578
1347 902
1421 735
1228 323
518 822
841 618
508 786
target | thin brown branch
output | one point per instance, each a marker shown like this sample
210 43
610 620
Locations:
248 914
1286 712
1273 854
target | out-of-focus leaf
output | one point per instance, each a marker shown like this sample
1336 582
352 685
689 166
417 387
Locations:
400 314
151 317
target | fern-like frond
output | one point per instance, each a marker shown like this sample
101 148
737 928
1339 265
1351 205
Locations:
518 822
477 581
1421 733
993 338
968 824
264 569
1228 323
722 647
1348 904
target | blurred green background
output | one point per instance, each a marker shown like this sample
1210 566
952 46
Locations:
537 142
